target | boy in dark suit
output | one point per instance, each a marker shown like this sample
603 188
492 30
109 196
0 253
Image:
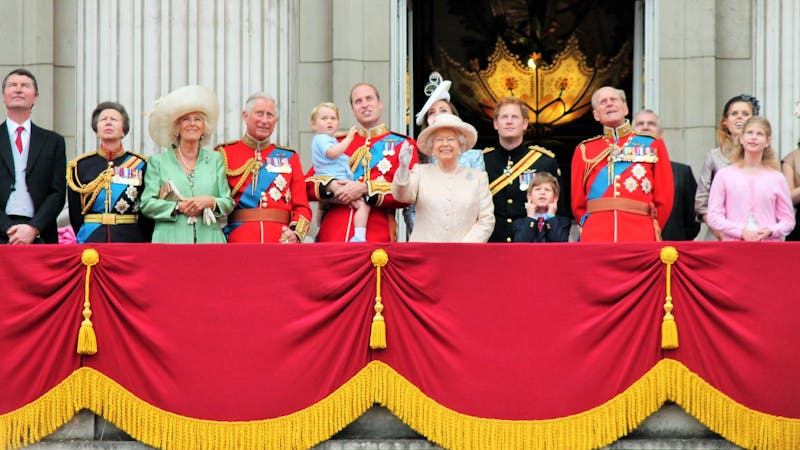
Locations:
542 224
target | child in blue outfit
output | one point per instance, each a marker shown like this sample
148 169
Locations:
542 223
329 159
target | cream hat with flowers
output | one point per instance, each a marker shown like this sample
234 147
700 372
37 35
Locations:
447 121
182 101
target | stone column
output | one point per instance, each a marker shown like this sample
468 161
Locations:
137 52
33 38
776 55
688 78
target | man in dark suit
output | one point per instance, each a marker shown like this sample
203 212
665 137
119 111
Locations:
681 225
33 164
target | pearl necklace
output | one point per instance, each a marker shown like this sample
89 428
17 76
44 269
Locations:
183 161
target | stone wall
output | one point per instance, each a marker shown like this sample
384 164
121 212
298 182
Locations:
378 429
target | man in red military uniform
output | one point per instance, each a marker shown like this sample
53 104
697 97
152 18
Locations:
267 181
622 186
374 156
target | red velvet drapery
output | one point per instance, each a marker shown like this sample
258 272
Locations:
520 333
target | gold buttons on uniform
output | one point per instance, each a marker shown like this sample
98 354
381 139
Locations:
508 239
510 201
508 220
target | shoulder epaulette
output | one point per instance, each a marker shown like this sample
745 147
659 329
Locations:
401 135
542 150
591 139
284 148
224 144
83 156
647 134
488 150
139 155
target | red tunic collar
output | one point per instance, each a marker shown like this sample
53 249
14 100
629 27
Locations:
619 132
372 132
251 142
110 154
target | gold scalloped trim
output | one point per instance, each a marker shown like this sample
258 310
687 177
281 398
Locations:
378 382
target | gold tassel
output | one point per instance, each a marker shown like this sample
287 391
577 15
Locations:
87 341
377 336
669 329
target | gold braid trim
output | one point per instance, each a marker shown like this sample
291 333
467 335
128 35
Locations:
378 382
357 157
91 189
248 166
592 163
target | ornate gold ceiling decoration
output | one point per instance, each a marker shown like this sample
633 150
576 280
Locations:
557 93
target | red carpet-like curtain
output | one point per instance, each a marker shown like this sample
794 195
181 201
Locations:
510 346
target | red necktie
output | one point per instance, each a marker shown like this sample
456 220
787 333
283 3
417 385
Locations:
19 138
540 224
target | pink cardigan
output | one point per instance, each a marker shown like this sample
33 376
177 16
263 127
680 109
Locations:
735 193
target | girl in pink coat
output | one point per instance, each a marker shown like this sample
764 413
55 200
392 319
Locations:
749 200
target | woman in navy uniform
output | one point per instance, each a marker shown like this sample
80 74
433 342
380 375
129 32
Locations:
105 185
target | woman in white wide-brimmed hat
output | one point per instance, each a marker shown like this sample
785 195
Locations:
453 203
186 188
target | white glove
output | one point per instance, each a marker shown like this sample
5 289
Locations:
208 217
406 152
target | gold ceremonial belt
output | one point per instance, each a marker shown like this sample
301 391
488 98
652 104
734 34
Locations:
111 219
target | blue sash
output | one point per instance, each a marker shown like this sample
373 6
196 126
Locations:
637 148
251 198
388 144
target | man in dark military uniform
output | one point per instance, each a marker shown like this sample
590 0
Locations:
511 166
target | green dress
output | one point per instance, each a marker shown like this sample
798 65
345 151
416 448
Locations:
208 179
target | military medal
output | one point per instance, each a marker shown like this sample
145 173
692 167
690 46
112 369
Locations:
525 179
284 166
507 169
384 165
388 142
280 182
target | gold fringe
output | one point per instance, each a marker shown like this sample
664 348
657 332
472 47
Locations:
669 329
87 341
377 335
597 427
378 382
90 389
40 418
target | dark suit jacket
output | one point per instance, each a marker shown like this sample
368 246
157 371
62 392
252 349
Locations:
46 178
682 225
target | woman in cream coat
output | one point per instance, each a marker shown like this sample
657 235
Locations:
453 203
